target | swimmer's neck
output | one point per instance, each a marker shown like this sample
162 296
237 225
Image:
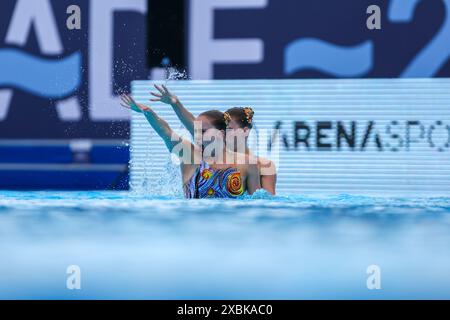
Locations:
226 157
217 158
247 150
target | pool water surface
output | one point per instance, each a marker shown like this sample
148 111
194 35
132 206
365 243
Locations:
135 246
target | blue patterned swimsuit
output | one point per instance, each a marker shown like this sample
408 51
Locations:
214 183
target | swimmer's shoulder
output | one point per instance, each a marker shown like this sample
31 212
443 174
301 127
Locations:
267 166
247 163
260 161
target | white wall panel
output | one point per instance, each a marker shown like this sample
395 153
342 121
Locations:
410 116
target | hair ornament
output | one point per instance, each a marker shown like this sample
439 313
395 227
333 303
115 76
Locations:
227 117
249 114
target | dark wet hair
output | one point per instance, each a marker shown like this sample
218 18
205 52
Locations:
217 119
243 116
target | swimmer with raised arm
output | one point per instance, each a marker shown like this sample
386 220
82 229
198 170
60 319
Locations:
208 169
238 120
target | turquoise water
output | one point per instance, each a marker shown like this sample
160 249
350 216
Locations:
289 247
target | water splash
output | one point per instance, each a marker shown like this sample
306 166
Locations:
176 74
167 182
259 194
172 72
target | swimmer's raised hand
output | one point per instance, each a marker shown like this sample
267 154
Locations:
164 95
129 103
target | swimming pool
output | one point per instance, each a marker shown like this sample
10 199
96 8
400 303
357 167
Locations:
131 245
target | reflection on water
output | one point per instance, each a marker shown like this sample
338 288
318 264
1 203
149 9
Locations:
134 246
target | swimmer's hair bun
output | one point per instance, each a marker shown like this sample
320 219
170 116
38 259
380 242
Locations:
249 114
227 117
242 115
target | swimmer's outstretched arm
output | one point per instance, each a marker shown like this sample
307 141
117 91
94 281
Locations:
165 96
170 138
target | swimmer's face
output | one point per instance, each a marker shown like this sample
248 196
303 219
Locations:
205 132
234 129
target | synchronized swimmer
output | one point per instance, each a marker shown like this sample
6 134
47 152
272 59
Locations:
209 168
239 122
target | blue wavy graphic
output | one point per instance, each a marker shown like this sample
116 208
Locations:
336 60
49 78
